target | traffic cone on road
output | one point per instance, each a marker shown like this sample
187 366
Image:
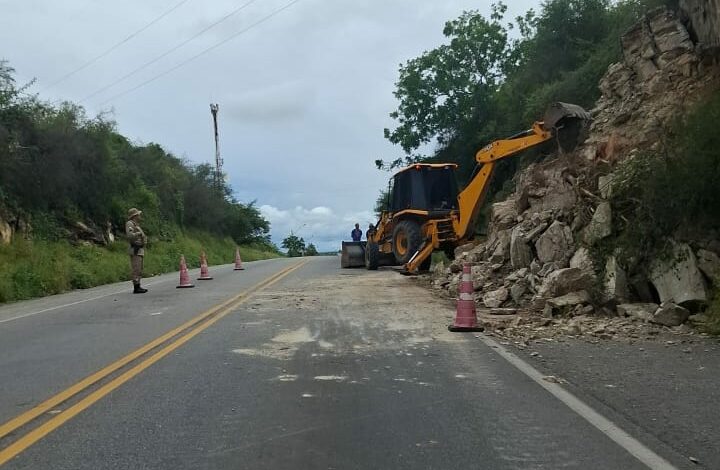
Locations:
204 272
466 315
184 275
238 261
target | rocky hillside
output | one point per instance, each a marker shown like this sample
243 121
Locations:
537 254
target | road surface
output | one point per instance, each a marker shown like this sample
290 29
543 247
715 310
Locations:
290 364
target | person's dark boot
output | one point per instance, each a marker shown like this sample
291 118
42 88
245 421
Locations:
137 289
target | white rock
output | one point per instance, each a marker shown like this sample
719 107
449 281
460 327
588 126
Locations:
615 285
670 314
495 298
581 259
679 280
503 214
564 281
555 244
520 252
600 226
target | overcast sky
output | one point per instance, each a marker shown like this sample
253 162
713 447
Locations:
304 96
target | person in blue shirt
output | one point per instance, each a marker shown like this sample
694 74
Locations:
356 234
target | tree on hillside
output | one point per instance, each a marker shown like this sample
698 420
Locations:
295 246
446 90
59 166
311 250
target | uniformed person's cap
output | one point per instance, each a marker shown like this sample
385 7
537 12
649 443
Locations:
133 212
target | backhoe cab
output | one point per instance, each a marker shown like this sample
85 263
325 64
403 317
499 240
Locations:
425 212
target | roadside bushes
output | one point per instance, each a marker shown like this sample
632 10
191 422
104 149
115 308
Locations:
35 269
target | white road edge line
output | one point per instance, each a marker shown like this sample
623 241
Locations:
604 425
58 307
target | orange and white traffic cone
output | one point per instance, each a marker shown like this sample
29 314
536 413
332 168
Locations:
204 272
466 315
184 275
238 261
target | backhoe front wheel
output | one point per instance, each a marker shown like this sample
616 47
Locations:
372 255
407 239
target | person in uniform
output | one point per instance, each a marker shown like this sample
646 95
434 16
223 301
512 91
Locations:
137 239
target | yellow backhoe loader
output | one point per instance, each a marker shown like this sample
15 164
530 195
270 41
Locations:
426 213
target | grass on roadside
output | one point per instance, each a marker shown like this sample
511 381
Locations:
39 268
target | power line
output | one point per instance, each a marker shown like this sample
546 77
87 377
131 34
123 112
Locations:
169 51
115 46
242 31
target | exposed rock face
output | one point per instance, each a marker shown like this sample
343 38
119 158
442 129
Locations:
561 208
703 17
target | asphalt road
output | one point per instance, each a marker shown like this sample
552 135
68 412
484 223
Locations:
305 366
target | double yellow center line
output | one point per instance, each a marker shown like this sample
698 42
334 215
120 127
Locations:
173 340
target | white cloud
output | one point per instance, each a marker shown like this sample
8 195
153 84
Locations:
303 97
319 225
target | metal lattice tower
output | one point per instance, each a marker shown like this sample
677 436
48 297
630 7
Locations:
218 160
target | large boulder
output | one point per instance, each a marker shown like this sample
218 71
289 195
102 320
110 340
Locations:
495 298
562 304
520 253
600 225
670 314
615 284
555 244
503 214
678 279
564 281
582 260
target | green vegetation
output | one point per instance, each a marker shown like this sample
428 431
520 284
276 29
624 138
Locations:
486 83
671 192
38 268
59 166
60 169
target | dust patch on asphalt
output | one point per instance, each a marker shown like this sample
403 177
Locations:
334 378
282 354
301 335
363 314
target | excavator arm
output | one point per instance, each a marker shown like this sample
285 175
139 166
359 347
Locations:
563 121
471 198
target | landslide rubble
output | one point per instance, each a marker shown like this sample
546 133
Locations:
533 273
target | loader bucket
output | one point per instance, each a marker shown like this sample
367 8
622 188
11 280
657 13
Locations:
353 255
569 123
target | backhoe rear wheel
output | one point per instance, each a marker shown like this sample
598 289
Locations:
372 256
407 239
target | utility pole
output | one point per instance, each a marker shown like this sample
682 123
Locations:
218 160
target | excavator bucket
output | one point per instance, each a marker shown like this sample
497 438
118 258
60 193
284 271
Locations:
569 122
353 255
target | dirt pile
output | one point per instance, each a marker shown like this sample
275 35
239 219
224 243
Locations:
536 258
